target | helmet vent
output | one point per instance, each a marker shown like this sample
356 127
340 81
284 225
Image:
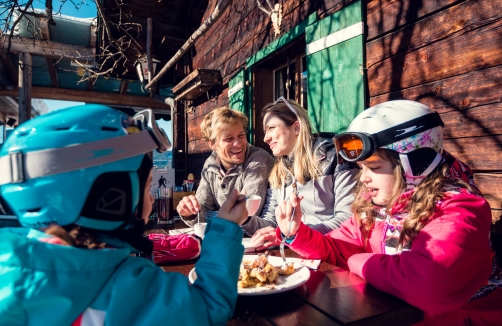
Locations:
113 202
109 128
34 210
63 128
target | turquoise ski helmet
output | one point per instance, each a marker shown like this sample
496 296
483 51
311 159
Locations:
85 165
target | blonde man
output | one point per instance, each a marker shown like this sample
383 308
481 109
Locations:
233 164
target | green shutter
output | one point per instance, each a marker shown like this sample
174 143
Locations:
335 81
236 92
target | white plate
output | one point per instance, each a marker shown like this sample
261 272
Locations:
283 283
248 246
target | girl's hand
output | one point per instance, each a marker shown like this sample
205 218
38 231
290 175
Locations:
283 214
266 237
188 206
238 213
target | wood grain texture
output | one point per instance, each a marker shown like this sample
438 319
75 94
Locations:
479 121
480 153
490 185
198 147
461 18
465 91
386 15
330 289
456 55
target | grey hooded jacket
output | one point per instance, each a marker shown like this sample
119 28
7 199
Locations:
250 177
327 199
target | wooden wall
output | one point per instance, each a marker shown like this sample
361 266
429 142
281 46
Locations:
444 53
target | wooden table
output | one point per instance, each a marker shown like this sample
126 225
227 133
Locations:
332 296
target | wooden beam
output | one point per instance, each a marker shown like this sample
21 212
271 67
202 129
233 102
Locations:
44 29
10 67
24 86
89 97
90 84
149 54
93 36
51 65
51 49
171 43
123 86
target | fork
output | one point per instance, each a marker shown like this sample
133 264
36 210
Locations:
283 241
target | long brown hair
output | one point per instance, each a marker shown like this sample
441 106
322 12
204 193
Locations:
75 236
420 207
305 166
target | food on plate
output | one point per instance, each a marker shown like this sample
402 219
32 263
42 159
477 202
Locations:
261 273
257 273
286 269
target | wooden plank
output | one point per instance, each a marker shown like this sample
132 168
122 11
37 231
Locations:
479 121
92 35
11 67
51 49
228 22
245 30
197 83
51 66
198 147
44 29
335 83
290 310
236 86
386 15
456 55
490 185
328 291
458 19
90 84
496 218
89 97
238 52
123 86
24 87
194 132
480 153
469 90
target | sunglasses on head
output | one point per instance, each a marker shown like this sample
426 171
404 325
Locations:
287 104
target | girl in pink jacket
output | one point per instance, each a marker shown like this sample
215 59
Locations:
420 229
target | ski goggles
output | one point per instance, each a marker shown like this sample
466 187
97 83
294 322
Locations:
145 120
143 136
358 146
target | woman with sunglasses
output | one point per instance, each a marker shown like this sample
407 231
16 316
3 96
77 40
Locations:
420 229
233 164
305 164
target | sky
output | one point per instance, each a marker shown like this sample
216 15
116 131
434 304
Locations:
86 10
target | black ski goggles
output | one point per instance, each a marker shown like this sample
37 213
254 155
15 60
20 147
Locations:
358 146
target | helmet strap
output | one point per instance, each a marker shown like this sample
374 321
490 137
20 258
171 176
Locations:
411 180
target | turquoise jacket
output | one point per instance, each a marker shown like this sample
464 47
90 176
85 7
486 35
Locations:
48 284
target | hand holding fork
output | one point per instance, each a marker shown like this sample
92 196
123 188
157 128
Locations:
288 216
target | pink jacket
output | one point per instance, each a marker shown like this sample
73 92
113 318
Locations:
450 259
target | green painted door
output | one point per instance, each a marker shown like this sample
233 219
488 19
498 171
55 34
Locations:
236 92
335 47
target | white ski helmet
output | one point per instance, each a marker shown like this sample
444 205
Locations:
407 127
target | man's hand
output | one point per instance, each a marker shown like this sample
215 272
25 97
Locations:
188 206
